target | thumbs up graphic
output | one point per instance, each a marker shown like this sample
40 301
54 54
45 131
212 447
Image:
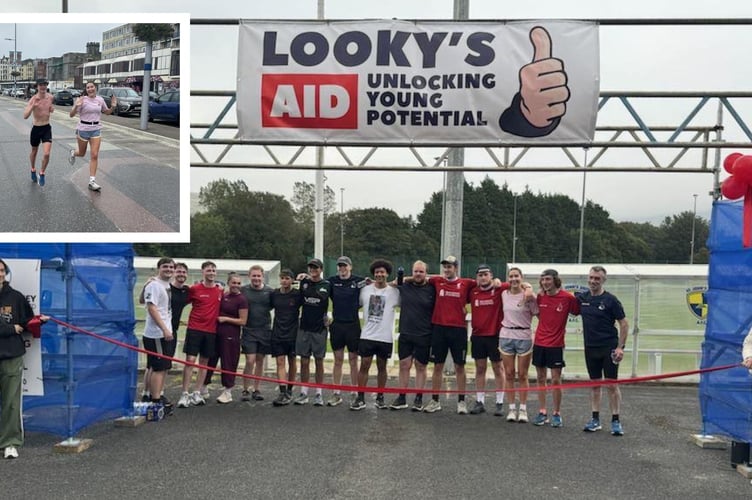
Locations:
537 108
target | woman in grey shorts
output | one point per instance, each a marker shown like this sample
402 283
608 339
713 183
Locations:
516 341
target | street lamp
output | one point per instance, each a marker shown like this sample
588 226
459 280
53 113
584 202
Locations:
514 232
692 242
15 57
342 221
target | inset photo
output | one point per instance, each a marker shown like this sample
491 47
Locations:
93 136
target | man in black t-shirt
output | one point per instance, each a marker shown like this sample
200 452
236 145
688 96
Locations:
286 302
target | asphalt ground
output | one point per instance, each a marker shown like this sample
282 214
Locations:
139 172
256 450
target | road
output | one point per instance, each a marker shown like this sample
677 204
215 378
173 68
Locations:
139 172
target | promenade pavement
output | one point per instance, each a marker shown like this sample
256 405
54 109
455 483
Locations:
139 173
256 450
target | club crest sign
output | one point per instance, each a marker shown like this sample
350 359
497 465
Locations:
697 303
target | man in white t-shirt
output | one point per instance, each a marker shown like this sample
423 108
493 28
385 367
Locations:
379 301
158 329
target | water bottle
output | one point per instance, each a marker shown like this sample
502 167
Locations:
140 409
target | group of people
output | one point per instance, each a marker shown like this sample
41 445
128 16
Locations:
89 107
223 323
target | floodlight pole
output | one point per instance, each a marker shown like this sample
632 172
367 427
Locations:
318 213
514 232
342 221
692 242
582 207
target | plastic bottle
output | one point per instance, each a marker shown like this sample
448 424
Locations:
140 409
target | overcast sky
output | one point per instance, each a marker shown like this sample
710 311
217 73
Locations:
632 58
50 40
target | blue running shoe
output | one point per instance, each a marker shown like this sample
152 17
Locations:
616 428
556 421
593 425
33 176
41 179
540 419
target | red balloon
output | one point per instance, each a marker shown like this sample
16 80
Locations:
732 188
728 163
743 169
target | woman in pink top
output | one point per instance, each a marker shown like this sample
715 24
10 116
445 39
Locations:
90 108
515 340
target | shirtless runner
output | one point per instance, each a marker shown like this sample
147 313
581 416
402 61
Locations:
40 105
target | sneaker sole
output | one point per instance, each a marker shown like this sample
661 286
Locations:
427 410
595 429
357 408
332 403
398 407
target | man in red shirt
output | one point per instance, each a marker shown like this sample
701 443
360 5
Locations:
554 305
201 334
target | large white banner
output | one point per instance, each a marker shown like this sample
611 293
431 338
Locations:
25 276
417 83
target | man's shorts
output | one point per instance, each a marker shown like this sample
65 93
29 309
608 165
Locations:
548 357
599 363
283 348
417 346
85 135
448 339
256 341
485 347
310 344
200 343
519 347
344 334
40 133
368 348
159 346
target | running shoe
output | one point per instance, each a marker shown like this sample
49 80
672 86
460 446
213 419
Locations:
461 408
399 403
380 403
540 419
256 395
72 156
225 397
477 408
245 395
318 400
205 393
33 176
10 452
616 428
556 421
499 410
417 404
168 409
302 399
41 179
357 405
145 398
512 416
93 186
197 399
522 416
432 406
334 400
282 400
593 425
184 401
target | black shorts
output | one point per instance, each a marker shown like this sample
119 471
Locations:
40 133
599 363
256 341
449 339
344 334
548 357
417 346
200 343
485 347
283 348
368 348
159 346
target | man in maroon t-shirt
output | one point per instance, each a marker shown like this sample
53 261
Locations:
200 339
554 305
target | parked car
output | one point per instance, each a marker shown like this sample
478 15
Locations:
165 107
76 92
19 93
128 101
63 97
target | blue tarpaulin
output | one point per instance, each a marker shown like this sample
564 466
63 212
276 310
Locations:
726 395
86 380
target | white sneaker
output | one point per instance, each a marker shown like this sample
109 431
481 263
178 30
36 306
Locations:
184 401
462 407
205 392
93 186
522 416
197 399
72 156
225 397
11 452
512 415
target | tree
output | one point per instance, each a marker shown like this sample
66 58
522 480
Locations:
149 33
674 244
304 201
